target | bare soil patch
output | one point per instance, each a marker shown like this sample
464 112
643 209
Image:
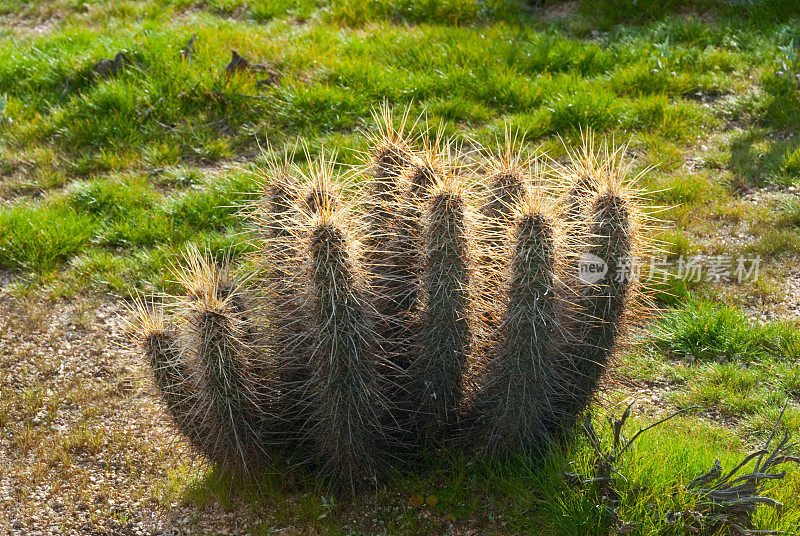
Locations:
85 447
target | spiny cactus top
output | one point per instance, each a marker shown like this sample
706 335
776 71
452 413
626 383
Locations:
433 302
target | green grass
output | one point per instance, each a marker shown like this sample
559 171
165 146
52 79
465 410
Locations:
607 13
39 239
515 496
716 358
125 217
706 331
473 65
758 158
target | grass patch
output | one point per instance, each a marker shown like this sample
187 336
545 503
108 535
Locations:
705 331
737 391
759 158
519 496
472 66
38 239
777 243
118 230
608 13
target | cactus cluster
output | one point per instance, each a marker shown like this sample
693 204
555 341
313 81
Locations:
436 302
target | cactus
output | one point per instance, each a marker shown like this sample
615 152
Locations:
275 217
515 394
171 375
222 345
346 403
346 409
386 259
413 317
612 240
204 366
445 334
506 175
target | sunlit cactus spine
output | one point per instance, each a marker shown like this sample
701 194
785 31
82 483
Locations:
603 218
203 363
507 182
390 155
574 201
424 168
160 345
279 198
222 345
275 217
317 193
602 303
386 256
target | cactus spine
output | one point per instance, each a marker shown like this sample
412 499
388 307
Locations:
346 412
222 345
603 303
386 259
160 346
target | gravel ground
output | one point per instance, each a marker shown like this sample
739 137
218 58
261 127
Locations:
782 301
84 445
